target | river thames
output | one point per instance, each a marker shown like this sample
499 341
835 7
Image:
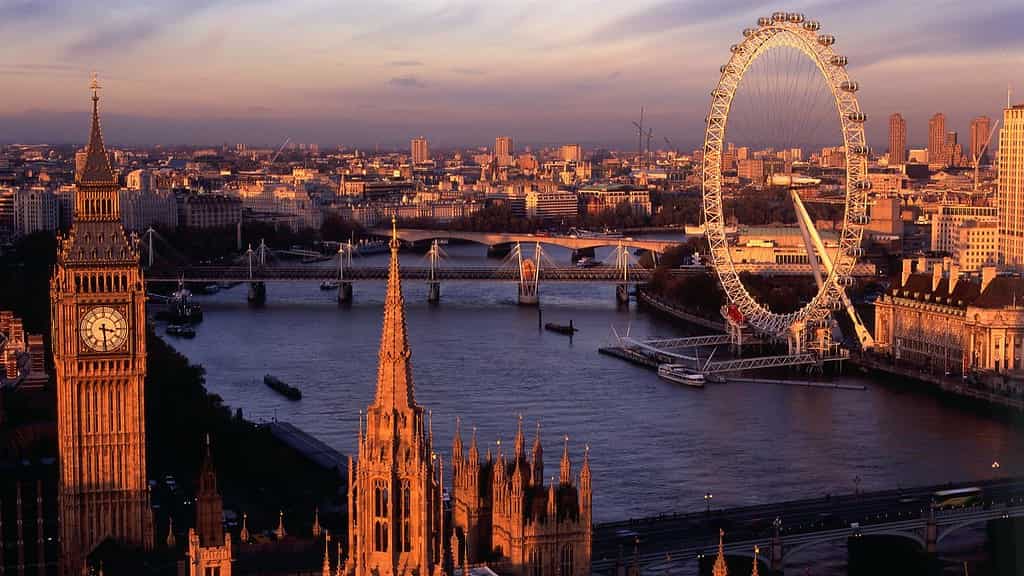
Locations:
656 447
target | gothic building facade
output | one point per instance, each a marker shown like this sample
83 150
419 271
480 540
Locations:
98 324
503 514
395 505
209 544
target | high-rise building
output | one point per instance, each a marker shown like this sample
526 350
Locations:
571 153
897 140
953 153
937 139
503 150
98 323
981 127
420 150
395 504
1011 188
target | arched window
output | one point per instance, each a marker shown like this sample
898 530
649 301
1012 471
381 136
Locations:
380 516
566 560
535 563
406 533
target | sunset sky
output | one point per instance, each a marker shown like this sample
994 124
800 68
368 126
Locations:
461 72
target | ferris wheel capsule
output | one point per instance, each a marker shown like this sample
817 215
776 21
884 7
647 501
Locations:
826 39
748 32
846 281
849 86
864 185
855 252
858 117
860 219
779 17
812 25
859 150
839 61
734 48
795 17
764 21
719 93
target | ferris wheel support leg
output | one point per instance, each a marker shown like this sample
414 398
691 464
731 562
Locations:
807 226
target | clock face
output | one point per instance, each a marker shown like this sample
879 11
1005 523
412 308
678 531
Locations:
104 329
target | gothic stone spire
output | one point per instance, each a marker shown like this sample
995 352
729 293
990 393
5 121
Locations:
394 373
97 169
720 568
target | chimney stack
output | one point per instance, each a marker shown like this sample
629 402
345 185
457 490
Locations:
906 266
988 273
936 276
954 277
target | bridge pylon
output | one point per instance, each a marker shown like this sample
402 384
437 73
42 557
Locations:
775 547
622 268
344 260
529 276
931 531
433 283
257 295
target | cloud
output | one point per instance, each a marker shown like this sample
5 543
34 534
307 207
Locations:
406 63
469 71
19 69
670 15
16 11
406 82
139 28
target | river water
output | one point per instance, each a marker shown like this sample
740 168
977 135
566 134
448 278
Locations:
656 447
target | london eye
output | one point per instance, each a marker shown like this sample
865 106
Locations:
787 63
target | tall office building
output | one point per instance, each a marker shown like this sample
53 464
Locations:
420 150
980 129
897 140
503 150
953 153
937 139
98 323
571 153
1011 188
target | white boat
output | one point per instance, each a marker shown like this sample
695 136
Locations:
666 372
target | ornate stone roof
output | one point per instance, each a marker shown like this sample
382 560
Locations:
97 170
394 371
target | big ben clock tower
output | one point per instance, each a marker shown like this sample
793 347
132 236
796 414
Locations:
98 322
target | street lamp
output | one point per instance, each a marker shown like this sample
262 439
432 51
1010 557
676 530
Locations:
707 501
995 468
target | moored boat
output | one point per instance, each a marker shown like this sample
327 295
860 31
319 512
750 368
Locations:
286 390
329 285
666 372
567 329
181 330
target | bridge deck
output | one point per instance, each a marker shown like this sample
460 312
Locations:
605 274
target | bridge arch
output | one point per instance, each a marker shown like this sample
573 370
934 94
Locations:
795 551
495 238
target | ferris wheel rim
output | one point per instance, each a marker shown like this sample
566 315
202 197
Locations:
789 30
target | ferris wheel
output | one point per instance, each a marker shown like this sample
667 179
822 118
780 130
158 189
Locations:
793 33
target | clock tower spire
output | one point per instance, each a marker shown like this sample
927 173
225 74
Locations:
98 327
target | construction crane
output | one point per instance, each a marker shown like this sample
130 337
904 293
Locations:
286 141
640 136
671 146
976 159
